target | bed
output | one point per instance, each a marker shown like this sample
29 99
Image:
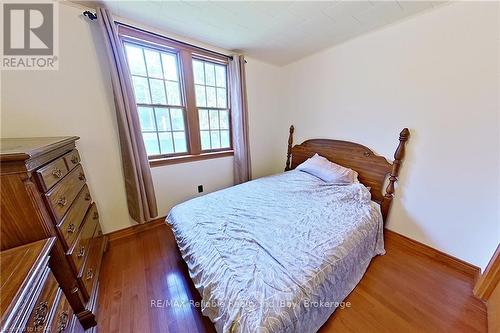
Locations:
281 253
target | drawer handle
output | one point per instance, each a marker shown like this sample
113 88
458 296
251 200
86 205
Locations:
62 322
57 173
81 252
41 314
62 201
81 176
74 159
71 228
90 274
87 197
95 216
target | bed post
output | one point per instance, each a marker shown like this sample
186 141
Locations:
289 151
396 165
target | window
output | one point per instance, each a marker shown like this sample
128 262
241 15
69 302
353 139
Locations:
211 99
182 97
155 78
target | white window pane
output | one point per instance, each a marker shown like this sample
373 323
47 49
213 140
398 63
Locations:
166 143
173 93
200 95
209 74
205 140
141 90
220 76
163 119
180 142
146 118
224 119
203 116
214 119
221 98
151 143
211 98
224 139
170 66
135 59
177 119
199 74
157 91
153 63
214 136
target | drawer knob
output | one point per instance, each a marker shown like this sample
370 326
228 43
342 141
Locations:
90 274
95 216
81 176
57 173
87 197
81 252
74 159
71 228
41 311
62 201
62 322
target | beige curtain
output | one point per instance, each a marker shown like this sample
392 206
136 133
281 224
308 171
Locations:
239 120
138 182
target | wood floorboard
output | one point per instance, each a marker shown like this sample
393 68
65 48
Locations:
402 291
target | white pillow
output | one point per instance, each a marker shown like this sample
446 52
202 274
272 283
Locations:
328 171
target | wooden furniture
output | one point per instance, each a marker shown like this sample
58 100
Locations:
487 289
372 169
31 299
44 194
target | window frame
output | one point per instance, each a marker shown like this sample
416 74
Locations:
228 106
185 56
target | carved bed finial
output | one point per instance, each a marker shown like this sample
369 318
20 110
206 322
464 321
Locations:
396 165
289 151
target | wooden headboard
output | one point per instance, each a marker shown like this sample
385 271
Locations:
372 169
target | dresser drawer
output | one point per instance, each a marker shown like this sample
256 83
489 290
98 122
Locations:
61 321
50 174
72 159
70 225
62 195
79 251
91 270
39 319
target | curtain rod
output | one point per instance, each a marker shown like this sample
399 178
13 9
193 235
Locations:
93 16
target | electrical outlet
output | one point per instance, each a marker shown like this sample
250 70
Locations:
200 188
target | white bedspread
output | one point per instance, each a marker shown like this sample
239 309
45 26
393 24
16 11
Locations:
276 254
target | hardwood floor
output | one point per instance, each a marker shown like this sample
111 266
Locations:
403 291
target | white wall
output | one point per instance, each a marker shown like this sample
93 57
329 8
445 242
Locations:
268 129
438 74
77 100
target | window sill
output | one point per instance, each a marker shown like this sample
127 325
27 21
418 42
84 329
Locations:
188 158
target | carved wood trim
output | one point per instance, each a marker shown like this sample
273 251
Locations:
396 166
289 150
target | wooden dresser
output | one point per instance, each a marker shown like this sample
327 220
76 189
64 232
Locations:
44 194
30 297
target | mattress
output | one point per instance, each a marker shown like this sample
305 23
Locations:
277 254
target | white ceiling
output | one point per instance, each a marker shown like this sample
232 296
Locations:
277 32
